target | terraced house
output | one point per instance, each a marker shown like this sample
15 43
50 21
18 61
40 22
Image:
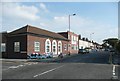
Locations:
29 39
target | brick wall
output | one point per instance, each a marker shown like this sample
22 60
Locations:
31 39
65 34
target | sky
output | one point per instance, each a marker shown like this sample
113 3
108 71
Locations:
100 18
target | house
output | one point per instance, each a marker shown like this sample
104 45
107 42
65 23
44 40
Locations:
30 39
83 44
73 43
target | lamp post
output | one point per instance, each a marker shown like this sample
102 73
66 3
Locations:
69 20
69 29
91 36
91 39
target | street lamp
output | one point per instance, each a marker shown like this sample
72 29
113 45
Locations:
69 20
91 39
91 36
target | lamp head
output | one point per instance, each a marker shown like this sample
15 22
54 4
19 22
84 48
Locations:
74 14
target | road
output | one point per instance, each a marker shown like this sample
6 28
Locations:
93 57
94 65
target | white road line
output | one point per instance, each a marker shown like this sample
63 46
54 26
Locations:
47 71
35 63
14 67
114 74
31 63
21 65
5 69
113 70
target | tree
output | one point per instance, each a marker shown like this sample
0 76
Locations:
118 46
114 42
104 45
83 38
111 41
86 39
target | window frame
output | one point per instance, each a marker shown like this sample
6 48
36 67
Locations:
65 46
59 47
47 46
54 44
3 49
37 47
16 46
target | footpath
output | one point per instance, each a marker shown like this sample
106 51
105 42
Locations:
54 59
116 63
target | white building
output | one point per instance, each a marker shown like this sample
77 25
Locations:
85 44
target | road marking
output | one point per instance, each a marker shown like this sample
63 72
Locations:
20 65
14 67
5 69
47 71
114 74
113 70
31 63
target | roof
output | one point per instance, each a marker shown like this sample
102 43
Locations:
37 31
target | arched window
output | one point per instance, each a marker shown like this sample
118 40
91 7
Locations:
54 47
59 47
47 46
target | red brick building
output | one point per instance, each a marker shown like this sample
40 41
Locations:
29 39
73 43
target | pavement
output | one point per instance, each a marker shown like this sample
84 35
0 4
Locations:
116 59
11 60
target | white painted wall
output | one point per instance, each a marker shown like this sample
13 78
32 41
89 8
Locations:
84 44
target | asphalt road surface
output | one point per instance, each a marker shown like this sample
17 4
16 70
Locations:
94 65
93 57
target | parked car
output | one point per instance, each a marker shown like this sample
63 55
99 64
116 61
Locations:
83 51
60 55
112 50
43 56
106 49
87 50
32 56
39 56
49 55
